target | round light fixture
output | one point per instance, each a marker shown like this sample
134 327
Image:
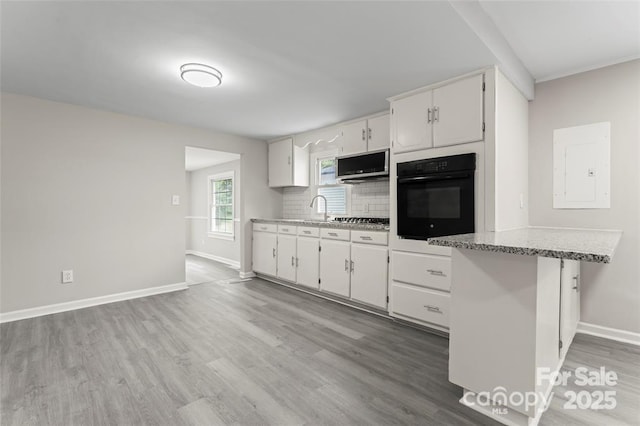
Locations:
200 75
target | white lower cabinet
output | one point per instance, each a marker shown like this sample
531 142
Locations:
420 304
420 286
335 267
569 302
369 274
265 252
308 262
287 257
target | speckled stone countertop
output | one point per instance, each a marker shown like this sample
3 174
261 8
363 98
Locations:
563 243
321 224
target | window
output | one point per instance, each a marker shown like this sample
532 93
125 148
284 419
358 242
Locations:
221 205
335 193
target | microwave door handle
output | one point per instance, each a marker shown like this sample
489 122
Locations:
433 178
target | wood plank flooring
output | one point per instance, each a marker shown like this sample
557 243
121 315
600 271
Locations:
252 353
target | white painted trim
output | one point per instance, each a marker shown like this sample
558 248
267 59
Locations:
609 333
230 262
580 70
85 303
249 274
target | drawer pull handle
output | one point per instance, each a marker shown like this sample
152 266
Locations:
293 260
264 228
436 272
297 262
333 234
365 238
431 308
274 252
285 229
306 232
352 267
346 265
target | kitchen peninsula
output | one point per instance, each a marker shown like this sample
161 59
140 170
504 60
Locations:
515 305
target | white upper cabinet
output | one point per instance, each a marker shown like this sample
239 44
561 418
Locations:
411 118
447 115
378 136
365 135
288 164
353 137
458 112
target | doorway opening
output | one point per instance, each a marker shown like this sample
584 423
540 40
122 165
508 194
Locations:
212 218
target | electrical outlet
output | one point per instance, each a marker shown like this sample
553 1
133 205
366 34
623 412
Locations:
366 207
67 276
175 200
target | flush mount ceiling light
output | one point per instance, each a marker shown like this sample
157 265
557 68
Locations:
200 75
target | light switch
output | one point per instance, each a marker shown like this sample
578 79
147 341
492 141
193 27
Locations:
175 200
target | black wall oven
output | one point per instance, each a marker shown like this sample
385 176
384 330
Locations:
436 197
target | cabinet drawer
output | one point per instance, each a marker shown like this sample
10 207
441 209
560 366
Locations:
287 229
421 269
265 227
306 231
421 304
335 234
370 237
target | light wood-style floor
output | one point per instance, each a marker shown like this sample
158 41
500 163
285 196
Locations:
252 353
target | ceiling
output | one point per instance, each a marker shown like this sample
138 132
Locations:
288 66
199 158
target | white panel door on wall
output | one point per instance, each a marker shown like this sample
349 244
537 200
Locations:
335 267
265 252
412 122
308 262
281 163
287 257
369 274
458 115
353 138
378 133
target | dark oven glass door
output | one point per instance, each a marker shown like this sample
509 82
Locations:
435 205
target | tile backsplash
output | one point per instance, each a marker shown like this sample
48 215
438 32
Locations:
375 195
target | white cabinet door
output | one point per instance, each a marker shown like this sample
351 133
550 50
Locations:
264 252
412 122
287 257
569 302
378 136
281 163
369 274
335 267
308 262
353 138
458 112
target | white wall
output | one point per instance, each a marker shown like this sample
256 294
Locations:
610 293
90 190
200 241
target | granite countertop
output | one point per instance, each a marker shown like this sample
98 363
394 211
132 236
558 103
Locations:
322 224
590 245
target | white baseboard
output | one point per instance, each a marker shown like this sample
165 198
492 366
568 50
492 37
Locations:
244 275
220 259
85 303
609 333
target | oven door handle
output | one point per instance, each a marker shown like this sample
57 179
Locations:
434 178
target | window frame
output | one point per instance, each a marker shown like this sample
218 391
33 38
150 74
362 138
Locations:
210 179
316 158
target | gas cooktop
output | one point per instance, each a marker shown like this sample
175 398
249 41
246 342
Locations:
372 220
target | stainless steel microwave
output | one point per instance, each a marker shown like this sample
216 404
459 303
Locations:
356 168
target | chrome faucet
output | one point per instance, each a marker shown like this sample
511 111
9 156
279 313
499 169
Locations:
326 216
